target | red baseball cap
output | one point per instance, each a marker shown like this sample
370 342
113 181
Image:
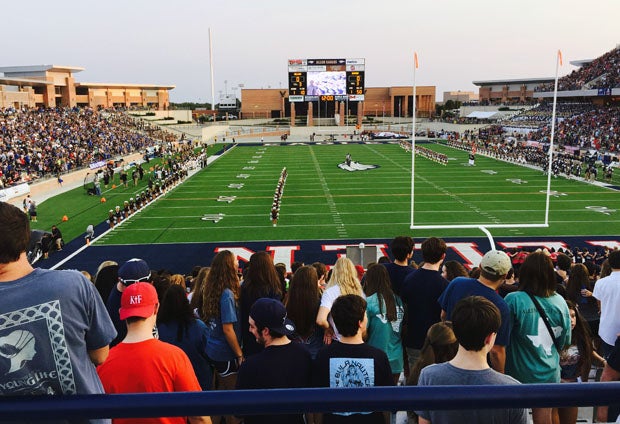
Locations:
138 300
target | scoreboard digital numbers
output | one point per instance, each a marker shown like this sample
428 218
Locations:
326 80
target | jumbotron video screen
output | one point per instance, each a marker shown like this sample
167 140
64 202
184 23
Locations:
326 79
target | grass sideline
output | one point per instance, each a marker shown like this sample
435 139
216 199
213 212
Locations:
83 210
322 201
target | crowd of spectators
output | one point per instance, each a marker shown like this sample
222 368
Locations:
386 312
39 143
593 129
540 116
602 72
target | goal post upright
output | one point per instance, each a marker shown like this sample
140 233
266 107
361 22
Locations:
415 66
485 227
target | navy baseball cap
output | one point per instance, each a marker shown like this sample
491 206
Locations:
133 271
271 313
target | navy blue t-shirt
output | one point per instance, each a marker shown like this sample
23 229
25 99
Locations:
462 287
420 294
397 274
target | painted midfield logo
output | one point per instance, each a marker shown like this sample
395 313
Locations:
356 166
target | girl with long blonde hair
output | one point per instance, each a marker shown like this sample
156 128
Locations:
343 281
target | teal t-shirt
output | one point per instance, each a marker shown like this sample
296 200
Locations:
531 356
386 335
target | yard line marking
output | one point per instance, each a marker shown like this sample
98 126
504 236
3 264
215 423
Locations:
439 188
342 232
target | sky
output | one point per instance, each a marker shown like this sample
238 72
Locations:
167 42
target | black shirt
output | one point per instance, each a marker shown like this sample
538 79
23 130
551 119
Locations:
276 367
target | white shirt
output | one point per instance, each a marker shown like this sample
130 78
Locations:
607 291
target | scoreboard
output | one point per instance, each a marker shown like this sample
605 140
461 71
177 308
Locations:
326 80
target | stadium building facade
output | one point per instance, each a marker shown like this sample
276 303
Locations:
53 85
378 102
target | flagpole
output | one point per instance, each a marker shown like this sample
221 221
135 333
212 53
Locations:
415 65
211 69
555 99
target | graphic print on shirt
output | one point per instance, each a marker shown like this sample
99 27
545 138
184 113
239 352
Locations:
351 372
34 357
543 339
400 314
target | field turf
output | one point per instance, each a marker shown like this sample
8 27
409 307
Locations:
322 201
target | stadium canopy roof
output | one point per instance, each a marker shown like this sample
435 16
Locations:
582 62
513 81
483 115
120 85
40 68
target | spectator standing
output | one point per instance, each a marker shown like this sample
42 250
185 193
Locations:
475 321
32 210
133 271
143 364
452 269
402 249
177 325
302 305
611 372
439 346
420 294
349 362
261 280
281 364
385 317
106 278
607 292
218 308
576 360
579 291
533 354
343 281
494 267
54 323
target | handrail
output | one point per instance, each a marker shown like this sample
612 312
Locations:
282 401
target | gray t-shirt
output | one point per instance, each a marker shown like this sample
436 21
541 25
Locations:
445 374
49 320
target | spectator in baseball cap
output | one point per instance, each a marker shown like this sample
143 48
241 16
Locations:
133 271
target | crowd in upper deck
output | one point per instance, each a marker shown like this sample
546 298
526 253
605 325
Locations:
602 72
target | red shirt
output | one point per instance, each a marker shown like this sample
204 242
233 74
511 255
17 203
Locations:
147 367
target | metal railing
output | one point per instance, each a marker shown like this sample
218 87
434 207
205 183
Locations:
283 401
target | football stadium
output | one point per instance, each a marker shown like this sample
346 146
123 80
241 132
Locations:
106 178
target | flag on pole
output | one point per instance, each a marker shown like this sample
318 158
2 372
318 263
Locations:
415 59
560 57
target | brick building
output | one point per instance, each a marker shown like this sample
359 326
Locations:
509 91
379 101
53 85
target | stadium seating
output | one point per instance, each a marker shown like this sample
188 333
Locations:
38 143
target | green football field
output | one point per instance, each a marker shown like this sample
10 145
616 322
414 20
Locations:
231 199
